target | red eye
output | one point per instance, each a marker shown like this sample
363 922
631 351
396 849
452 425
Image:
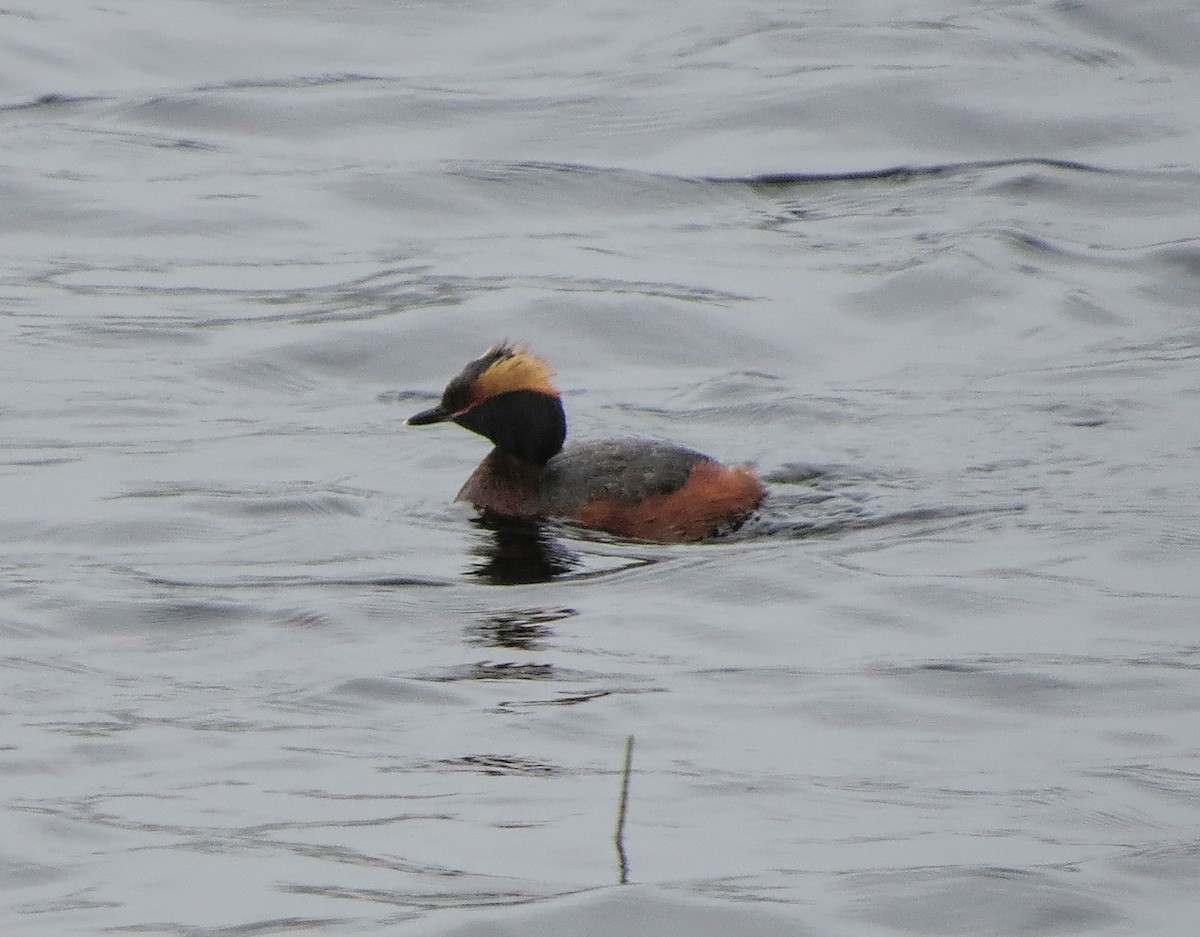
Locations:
476 399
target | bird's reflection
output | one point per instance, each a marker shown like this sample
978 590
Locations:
516 552
517 629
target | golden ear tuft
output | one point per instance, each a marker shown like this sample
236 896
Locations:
517 369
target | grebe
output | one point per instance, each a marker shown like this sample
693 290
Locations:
628 487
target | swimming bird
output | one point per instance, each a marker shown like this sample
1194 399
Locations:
634 488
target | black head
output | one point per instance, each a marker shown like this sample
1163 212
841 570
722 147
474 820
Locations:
505 394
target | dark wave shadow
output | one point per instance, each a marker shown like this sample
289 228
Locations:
51 102
904 173
386 581
507 173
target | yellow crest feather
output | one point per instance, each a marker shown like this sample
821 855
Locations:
518 370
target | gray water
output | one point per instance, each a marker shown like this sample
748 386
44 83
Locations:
932 267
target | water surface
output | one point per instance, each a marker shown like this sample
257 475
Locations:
934 272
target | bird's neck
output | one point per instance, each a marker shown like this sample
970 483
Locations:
525 424
505 485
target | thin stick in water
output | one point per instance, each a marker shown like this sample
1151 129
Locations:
622 807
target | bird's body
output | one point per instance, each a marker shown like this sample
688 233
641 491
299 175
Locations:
629 487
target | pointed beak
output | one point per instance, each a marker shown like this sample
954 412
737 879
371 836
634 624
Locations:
425 417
